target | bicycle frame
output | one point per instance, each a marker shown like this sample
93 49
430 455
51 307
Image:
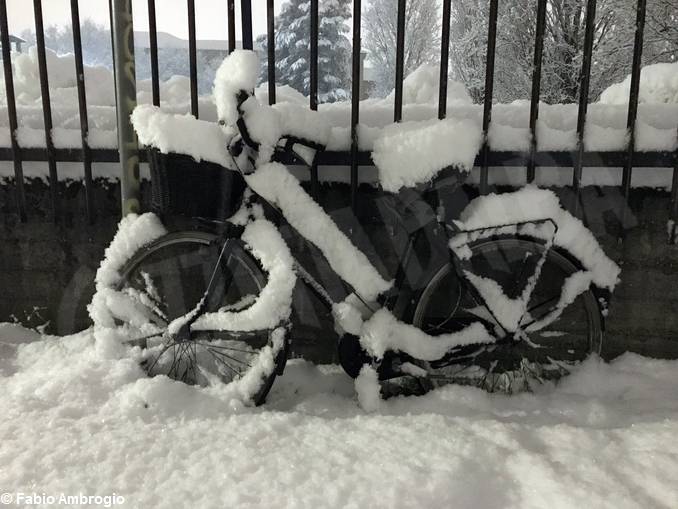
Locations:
400 279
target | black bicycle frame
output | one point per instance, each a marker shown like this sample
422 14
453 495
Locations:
400 280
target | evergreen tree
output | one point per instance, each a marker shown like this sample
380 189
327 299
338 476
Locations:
292 47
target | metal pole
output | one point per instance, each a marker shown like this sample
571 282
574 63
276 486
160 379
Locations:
584 81
246 18
489 88
536 86
673 215
632 113
270 43
633 96
46 107
313 95
11 112
355 102
444 58
82 109
231 25
400 61
126 97
153 42
192 57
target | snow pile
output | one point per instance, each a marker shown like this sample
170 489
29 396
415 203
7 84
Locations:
283 94
76 422
273 305
383 332
182 134
276 184
133 233
533 204
509 130
238 72
410 153
658 84
62 79
367 389
99 85
302 122
421 87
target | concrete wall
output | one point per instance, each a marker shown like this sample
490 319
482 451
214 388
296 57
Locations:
47 269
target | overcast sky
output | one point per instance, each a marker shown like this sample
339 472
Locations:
211 15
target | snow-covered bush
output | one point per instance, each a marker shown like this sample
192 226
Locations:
421 87
658 84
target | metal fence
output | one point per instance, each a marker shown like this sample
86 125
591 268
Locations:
121 17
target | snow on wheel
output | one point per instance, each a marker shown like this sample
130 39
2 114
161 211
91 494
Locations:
157 289
551 338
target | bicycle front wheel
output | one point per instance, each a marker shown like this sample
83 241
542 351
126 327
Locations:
166 280
551 340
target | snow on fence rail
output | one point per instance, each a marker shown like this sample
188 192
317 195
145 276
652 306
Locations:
75 120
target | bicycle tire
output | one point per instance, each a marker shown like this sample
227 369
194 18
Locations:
501 361
178 266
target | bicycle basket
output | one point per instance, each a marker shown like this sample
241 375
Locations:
182 186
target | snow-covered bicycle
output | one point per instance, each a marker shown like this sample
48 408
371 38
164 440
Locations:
514 291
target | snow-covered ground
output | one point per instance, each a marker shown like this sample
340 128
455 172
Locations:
80 418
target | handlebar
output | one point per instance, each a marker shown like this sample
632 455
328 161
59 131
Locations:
290 140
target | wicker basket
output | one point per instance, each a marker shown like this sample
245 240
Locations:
184 187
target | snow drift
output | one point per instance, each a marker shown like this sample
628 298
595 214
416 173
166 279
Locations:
658 84
75 421
606 129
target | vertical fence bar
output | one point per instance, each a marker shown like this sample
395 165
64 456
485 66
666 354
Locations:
11 111
46 107
270 45
400 61
313 68
192 58
313 96
231 25
444 59
673 213
126 100
355 101
489 88
246 18
115 77
536 86
82 109
633 96
584 82
153 43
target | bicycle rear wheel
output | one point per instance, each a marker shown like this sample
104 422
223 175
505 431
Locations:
551 340
166 280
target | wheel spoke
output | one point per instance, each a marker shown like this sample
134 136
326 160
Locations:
162 352
154 309
222 361
221 347
231 358
174 358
